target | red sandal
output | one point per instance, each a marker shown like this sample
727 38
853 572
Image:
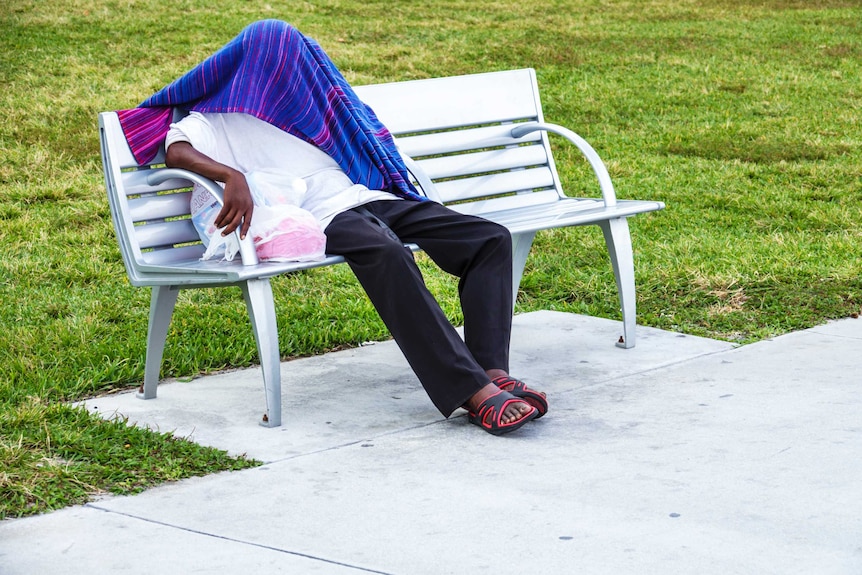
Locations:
520 390
490 414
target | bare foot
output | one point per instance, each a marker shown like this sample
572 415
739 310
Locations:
513 412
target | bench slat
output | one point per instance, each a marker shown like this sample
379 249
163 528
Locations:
159 207
428 144
552 210
484 162
135 183
494 184
162 234
499 203
443 103
569 212
173 256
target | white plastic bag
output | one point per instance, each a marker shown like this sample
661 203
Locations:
280 229
204 209
275 188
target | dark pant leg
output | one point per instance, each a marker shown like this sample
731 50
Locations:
479 253
386 269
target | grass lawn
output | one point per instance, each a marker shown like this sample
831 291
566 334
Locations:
745 117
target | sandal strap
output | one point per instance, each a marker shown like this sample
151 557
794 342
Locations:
504 381
520 390
490 413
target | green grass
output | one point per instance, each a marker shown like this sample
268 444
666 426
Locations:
744 117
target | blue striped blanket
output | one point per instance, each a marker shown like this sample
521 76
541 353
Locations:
274 72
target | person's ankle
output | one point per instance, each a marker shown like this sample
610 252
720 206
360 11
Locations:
495 373
477 398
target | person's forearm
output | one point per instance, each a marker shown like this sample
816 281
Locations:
238 204
183 155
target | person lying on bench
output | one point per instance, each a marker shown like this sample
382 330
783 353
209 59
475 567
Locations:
272 100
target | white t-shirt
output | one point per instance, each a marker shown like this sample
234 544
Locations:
248 144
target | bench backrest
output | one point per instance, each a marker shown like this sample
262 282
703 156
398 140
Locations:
152 222
458 130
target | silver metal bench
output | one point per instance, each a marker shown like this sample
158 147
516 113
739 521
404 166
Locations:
478 143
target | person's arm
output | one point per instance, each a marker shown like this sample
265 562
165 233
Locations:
238 205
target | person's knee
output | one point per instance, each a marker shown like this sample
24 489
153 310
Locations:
503 233
499 237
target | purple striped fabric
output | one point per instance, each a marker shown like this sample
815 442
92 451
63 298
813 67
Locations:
274 72
145 130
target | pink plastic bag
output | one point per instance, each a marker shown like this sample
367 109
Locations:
287 233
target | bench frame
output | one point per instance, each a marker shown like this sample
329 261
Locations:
477 143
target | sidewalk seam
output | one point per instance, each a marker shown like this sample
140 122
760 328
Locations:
233 540
673 363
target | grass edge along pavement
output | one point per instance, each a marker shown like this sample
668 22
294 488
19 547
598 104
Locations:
743 117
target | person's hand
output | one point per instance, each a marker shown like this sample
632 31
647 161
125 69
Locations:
238 206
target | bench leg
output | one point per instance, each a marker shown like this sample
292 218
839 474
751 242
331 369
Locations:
521 244
261 311
162 302
619 242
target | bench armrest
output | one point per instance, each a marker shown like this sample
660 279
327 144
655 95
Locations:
246 247
601 172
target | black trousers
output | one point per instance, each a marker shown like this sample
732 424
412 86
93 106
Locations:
475 250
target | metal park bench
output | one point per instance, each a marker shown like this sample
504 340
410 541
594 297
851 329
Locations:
478 143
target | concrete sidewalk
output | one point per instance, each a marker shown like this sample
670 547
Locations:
682 455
